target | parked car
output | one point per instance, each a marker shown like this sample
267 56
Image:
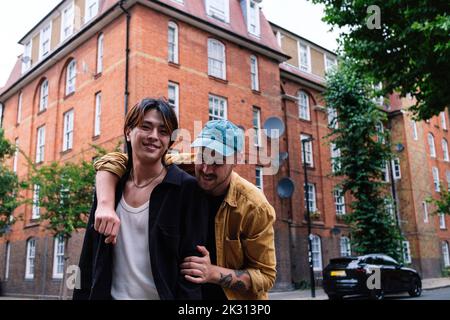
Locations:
348 276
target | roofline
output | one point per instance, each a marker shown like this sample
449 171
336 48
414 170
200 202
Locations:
295 77
42 20
294 34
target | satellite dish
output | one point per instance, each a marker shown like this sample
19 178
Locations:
283 156
26 59
274 127
400 147
285 188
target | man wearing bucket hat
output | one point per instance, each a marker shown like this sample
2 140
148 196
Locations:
238 261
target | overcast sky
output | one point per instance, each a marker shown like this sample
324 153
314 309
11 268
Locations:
17 17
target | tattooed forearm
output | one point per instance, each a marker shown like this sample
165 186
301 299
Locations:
236 282
239 273
225 280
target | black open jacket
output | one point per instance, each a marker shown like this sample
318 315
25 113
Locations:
178 216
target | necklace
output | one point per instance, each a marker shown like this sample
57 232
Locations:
147 183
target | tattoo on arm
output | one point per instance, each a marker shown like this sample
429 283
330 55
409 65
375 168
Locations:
226 281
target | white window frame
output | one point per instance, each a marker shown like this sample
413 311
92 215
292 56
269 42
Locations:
67 20
309 153
445 253
216 112
58 257
43 97
316 252
339 202
425 212
345 247
329 66
389 207
304 67
442 222
414 130
436 181
379 128
385 172
447 173
71 77
257 126
45 40
253 18
68 130
88 16
311 189
98 114
172 44
40 144
19 108
445 150
396 169
174 101
30 259
432 145
26 57
7 259
16 155
443 121
259 178
217 59
36 210
332 118
100 52
254 73
1 114
406 252
304 111
335 158
220 12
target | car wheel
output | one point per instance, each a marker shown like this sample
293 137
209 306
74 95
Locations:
416 289
334 297
377 294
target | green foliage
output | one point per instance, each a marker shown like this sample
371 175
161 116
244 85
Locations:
442 204
363 155
409 53
9 186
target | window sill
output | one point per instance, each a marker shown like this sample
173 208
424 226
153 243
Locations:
32 224
62 153
224 81
257 92
174 64
95 137
304 120
41 112
67 96
98 75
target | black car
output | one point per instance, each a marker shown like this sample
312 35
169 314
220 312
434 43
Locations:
357 276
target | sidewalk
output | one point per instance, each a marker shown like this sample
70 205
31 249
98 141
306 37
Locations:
427 284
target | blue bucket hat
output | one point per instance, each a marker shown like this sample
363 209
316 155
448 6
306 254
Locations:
221 136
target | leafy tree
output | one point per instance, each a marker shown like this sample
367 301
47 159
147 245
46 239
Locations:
409 51
442 204
363 154
9 186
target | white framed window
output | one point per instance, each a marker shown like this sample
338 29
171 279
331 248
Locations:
406 252
58 257
445 150
16 155
396 169
303 106
98 114
339 202
40 145
345 246
443 121
425 211
36 210
253 21
91 10
1 115
179 1
311 190
385 172
43 101
442 223
307 155
414 130
173 42
71 76
218 9
437 186
68 21
332 118
216 59
445 253
174 97
68 130
330 63
217 108
254 73
380 99
259 177
316 252
45 37
257 126
447 173
304 57
335 158
379 128
7 259
389 207
30 259
100 51
26 58
431 145
19 108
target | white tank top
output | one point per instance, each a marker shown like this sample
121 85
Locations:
132 277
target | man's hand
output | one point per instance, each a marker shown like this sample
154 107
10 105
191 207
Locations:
107 223
198 269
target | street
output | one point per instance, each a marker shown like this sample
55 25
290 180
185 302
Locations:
435 294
